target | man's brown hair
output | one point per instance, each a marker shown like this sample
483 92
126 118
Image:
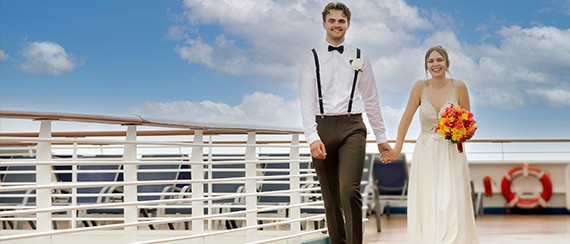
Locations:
336 6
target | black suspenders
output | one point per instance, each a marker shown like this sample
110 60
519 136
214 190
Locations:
318 71
353 83
320 93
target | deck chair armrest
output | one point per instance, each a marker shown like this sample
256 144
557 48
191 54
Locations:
61 199
305 195
241 189
26 198
111 189
185 191
169 189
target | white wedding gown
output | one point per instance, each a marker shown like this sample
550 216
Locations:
439 194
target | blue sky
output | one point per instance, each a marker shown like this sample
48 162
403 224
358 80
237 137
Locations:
232 61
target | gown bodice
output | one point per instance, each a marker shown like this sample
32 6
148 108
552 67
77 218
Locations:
429 117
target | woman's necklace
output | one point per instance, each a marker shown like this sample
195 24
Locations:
437 93
438 90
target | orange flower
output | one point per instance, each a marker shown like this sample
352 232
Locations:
457 125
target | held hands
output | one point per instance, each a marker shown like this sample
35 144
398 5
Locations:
318 150
395 153
386 153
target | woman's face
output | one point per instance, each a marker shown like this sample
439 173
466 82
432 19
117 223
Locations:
436 64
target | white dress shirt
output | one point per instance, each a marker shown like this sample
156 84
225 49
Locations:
337 75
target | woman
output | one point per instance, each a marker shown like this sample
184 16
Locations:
440 209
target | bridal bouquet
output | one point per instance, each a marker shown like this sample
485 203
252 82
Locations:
457 125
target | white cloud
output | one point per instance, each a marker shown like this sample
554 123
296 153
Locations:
544 49
3 55
556 97
196 51
176 33
503 98
46 58
265 37
255 109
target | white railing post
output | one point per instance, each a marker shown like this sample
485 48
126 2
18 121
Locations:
44 174
130 191
295 182
251 187
74 157
197 166
567 181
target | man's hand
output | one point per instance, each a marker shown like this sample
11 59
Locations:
385 153
318 150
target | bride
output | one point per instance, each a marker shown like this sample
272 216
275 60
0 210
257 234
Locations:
440 209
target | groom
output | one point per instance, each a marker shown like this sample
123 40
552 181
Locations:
337 85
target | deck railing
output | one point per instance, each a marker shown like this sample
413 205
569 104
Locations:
189 210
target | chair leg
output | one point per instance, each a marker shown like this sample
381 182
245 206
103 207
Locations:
479 204
145 214
377 211
32 224
7 223
171 226
231 224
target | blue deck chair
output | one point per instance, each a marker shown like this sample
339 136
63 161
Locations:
311 195
220 170
391 180
275 165
167 167
63 172
26 175
97 195
17 175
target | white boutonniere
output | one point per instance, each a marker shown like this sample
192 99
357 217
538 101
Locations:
356 64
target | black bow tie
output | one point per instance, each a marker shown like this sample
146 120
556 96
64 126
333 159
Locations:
340 48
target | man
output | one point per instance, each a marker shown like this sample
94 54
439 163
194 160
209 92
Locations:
336 86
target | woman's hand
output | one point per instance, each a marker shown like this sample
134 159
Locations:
395 152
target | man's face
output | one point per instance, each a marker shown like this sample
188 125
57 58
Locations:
336 26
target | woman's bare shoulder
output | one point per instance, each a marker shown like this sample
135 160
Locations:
460 83
419 83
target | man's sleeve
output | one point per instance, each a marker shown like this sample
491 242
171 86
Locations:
369 93
307 97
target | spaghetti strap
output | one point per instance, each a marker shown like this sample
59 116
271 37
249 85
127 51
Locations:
453 91
424 90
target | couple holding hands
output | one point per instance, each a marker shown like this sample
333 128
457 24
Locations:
337 85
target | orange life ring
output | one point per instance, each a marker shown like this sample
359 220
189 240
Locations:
514 200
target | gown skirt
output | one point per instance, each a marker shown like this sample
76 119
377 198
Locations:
440 207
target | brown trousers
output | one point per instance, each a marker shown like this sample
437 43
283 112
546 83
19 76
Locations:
340 174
